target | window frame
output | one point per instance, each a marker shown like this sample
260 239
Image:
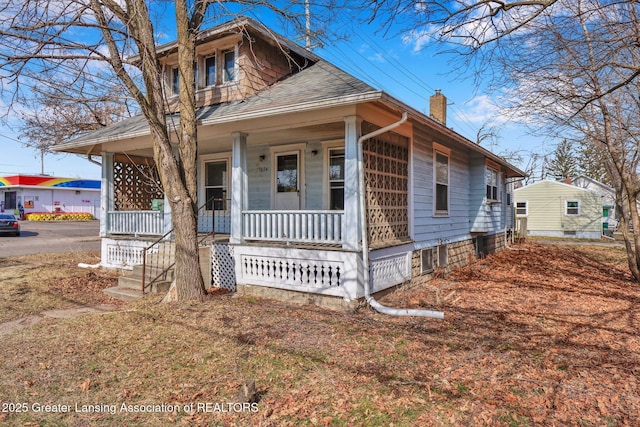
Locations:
329 180
445 152
577 207
428 259
492 192
526 207
215 158
205 61
223 68
174 80
443 255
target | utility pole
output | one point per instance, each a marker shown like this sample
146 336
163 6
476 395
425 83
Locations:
307 12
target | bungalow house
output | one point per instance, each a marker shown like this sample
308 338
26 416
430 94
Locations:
608 197
557 209
49 194
291 148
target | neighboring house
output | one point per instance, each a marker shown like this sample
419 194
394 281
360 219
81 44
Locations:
608 196
558 209
278 147
43 193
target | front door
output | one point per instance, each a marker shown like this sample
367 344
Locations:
287 196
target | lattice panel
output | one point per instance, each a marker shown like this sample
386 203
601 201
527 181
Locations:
386 167
292 272
135 183
390 271
223 274
124 255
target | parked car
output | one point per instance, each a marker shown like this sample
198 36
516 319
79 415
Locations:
9 224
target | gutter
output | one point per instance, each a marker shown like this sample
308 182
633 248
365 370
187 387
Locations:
365 244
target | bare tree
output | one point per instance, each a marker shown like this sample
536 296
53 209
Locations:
54 117
570 67
54 43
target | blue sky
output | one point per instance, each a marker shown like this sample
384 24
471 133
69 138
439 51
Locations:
405 66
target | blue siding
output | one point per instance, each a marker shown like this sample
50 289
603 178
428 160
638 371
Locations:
430 230
259 177
485 218
313 176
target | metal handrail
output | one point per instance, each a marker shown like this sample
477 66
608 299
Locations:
164 236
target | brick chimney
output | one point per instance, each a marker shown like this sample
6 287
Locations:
438 107
567 180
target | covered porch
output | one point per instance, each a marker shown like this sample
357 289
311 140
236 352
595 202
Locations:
258 186
287 199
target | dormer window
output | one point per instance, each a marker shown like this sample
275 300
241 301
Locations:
210 71
229 71
175 81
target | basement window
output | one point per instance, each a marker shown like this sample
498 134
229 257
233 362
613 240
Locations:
426 261
443 255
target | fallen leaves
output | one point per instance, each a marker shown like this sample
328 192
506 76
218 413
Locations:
545 337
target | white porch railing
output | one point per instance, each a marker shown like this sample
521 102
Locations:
136 222
293 226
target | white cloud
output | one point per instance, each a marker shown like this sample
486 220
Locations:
417 39
480 110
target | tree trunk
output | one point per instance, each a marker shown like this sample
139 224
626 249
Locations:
188 283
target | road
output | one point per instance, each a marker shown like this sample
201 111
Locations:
40 237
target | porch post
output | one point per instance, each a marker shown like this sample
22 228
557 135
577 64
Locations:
239 197
351 223
106 192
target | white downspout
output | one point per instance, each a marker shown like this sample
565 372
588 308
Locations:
365 244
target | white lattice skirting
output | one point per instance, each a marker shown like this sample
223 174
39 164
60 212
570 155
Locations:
223 273
292 272
390 271
312 271
122 253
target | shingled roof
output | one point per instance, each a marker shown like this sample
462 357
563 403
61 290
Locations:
319 86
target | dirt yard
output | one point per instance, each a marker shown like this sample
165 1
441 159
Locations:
546 336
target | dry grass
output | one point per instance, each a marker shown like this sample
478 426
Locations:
35 283
545 337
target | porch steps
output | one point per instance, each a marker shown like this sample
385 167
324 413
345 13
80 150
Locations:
130 282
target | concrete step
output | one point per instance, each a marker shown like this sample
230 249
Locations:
135 283
150 271
123 294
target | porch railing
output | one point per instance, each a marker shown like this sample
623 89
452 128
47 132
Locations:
294 226
159 257
136 222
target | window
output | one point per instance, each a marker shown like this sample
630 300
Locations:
426 261
195 75
443 255
573 207
442 183
10 200
491 179
522 208
175 81
287 173
210 71
229 70
508 199
336 179
606 211
216 185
